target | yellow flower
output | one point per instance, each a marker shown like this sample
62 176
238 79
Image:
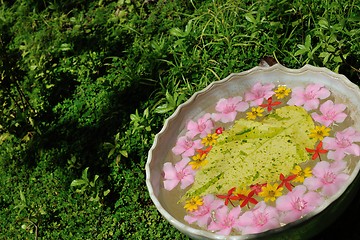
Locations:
244 191
193 204
271 192
319 132
198 161
210 139
282 91
301 174
255 112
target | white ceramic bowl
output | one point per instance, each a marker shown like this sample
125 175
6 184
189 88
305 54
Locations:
233 85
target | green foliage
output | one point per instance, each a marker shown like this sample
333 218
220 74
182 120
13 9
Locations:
87 187
86 85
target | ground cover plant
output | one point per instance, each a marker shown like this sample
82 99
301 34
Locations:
86 85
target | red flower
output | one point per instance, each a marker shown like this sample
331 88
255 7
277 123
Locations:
247 199
206 151
257 187
228 197
316 152
219 130
286 181
270 104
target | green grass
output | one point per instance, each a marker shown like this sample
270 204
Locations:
88 84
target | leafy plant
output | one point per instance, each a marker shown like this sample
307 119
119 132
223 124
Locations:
88 187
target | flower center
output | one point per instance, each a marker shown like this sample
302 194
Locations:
202 127
343 142
261 219
229 222
188 143
204 211
299 204
309 95
320 133
260 94
180 175
301 173
229 108
329 177
271 193
209 138
330 115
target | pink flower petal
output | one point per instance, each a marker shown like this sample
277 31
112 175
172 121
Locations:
327 177
259 219
336 155
187 180
169 170
170 184
311 104
258 93
225 221
308 97
227 109
202 126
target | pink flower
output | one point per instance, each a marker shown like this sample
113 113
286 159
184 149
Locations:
180 173
258 93
308 97
297 203
203 215
330 113
327 177
186 146
225 221
259 219
227 109
203 126
343 144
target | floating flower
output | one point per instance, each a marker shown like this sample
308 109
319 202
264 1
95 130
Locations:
248 198
327 177
193 204
259 219
319 132
330 113
257 187
227 109
343 144
282 92
180 173
202 126
317 151
301 174
198 161
186 146
219 130
258 93
308 97
228 197
270 104
297 203
244 191
210 139
285 181
271 192
225 220
255 112
203 215
206 151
